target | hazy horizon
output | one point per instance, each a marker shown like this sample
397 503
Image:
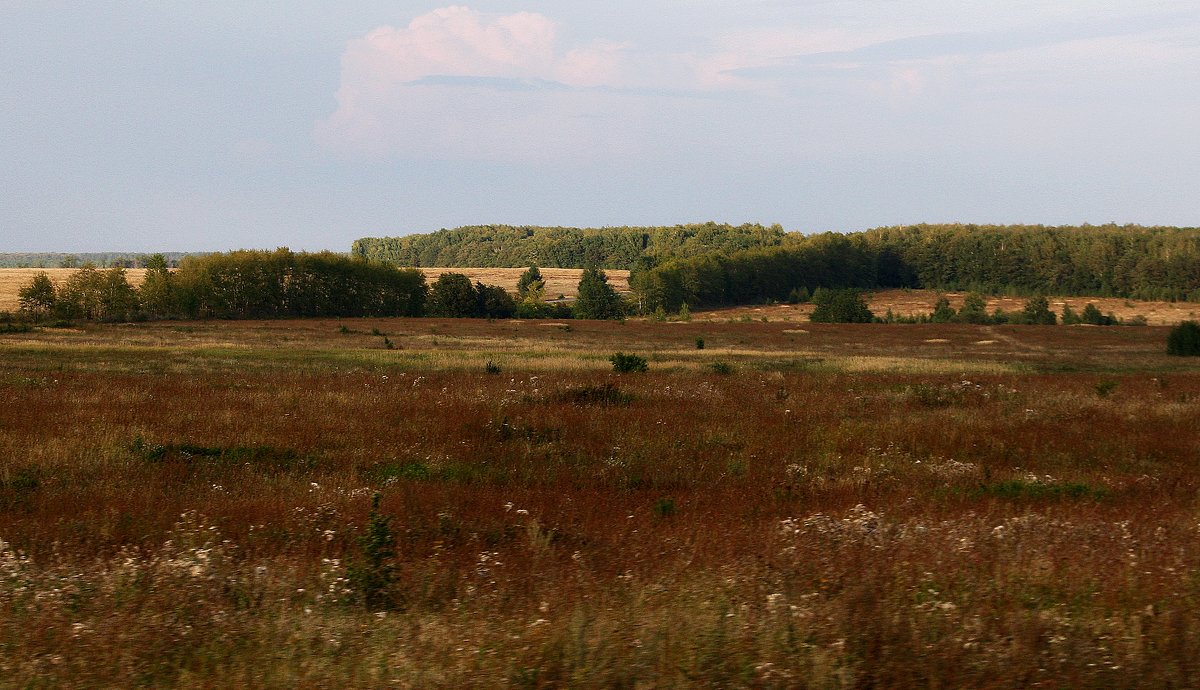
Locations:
213 126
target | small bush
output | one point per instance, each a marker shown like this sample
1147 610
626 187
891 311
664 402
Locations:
1104 388
491 367
374 576
664 507
604 395
1184 340
625 364
840 306
699 343
721 368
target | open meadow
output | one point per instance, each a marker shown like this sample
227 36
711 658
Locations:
790 505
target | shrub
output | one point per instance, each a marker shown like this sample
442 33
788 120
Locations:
721 368
664 507
840 306
1091 315
1184 340
699 343
374 577
624 364
1037 313
1069 317
974 309
492 368
942 312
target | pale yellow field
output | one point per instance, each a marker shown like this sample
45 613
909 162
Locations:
915 302
559 281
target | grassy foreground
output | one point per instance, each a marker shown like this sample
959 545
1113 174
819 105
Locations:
183 504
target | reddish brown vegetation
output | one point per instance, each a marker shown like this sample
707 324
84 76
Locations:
179 503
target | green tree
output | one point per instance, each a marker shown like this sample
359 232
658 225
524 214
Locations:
118 299
1091 315
38 297
840 306
530 282
974 309
1069 317
494 302
157 293
1184 340
452 295
596 298
942 311
1037 312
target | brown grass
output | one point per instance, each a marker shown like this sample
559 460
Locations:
853 506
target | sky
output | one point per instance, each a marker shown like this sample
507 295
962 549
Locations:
204 126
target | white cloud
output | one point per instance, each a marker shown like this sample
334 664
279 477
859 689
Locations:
402 89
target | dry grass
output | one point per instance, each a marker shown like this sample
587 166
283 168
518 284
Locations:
918 302
853 506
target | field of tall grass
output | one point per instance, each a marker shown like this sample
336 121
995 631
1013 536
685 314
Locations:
189 504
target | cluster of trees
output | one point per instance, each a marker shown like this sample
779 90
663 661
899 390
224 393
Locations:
259 284
848 306
1135 262
241 284
452 295
509 246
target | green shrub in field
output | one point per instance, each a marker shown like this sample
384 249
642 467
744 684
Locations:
1091 315
840 306
1184 340
625 364
1037 313
374 576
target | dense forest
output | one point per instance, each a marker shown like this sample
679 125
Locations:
503 246
1107 260
1128 261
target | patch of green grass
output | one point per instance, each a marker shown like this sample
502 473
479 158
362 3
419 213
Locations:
1017 489
190 452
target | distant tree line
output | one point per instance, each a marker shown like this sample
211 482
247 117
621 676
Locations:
1131 261
99 259
503 246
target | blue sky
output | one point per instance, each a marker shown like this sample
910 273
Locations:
135 126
